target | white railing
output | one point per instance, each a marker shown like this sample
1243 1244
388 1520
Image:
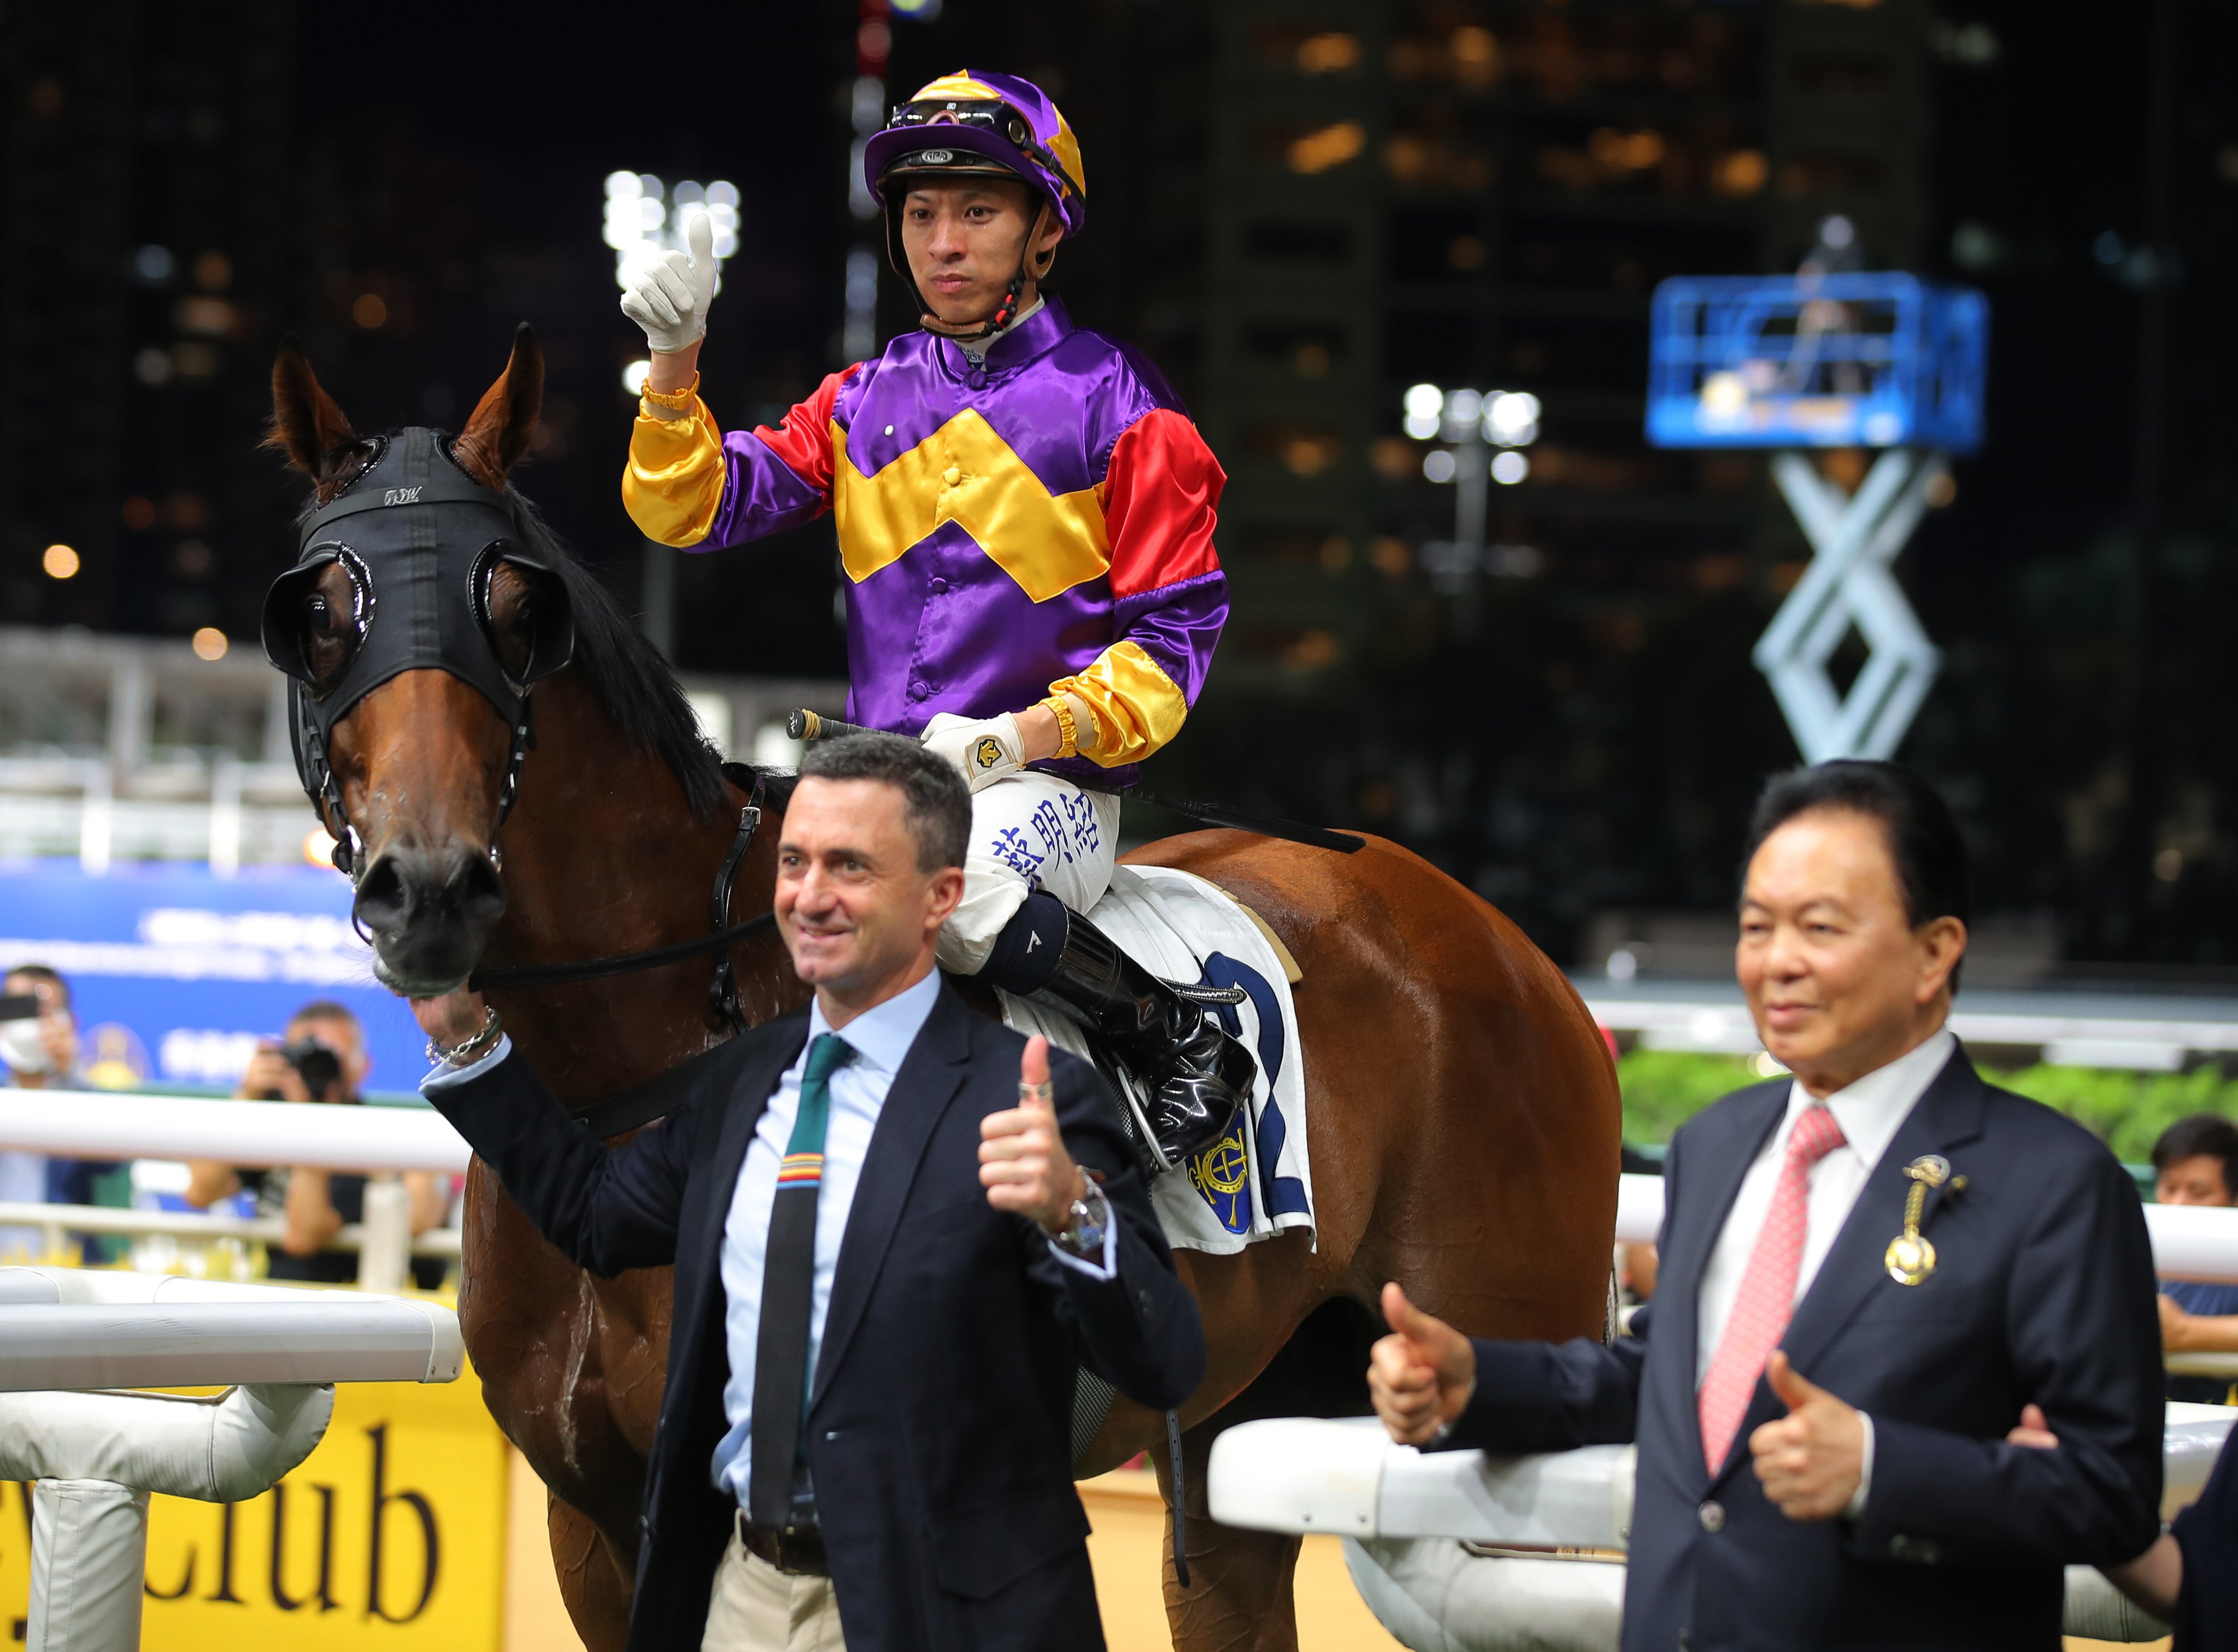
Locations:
96 1457
101 1124
1402 1510
379 1141
384 1242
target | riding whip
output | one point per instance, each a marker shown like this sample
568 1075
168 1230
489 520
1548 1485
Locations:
809 726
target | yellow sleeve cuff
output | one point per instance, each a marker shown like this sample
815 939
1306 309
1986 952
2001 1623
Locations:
672 485
1136 706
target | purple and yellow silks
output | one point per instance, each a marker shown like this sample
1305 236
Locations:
1043 523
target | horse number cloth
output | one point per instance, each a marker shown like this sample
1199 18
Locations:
1255 1181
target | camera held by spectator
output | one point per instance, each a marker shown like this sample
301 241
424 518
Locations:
321 1058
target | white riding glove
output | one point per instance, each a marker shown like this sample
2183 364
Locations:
668 293
982 751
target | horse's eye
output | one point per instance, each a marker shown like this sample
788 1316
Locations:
328 638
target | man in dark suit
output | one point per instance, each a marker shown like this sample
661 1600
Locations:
898 1230
1936 1253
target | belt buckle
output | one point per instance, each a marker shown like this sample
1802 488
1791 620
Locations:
786 1548
798 1551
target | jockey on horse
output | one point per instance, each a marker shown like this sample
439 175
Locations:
1025 516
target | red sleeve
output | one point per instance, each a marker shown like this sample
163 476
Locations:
803 438
1160 499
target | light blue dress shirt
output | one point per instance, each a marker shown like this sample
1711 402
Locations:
881 1038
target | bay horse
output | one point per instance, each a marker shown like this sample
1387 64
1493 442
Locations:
1462 1123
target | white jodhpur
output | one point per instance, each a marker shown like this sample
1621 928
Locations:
1030 831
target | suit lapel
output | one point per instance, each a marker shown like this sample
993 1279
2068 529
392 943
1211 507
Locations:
931 1075
1947 1115
1725 1157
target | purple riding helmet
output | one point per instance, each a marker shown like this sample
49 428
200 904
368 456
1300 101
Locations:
971 121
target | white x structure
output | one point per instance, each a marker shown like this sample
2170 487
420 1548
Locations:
1849 582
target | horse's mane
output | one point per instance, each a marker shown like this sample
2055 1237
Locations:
628 677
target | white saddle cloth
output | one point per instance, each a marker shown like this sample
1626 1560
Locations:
1255 1181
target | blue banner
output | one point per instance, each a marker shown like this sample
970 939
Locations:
177 972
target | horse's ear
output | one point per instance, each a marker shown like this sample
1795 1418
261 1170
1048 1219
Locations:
499 433
306 425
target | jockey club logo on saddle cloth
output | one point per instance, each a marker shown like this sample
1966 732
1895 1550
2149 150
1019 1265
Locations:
1222 1173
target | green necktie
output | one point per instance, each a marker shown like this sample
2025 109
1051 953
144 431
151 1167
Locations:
788 1293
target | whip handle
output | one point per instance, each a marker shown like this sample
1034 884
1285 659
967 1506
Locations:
804 724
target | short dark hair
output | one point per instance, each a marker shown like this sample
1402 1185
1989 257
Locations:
40 972
935 804
2202 1135
1932 866
327 1009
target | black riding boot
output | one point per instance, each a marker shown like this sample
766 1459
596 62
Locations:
1194 1076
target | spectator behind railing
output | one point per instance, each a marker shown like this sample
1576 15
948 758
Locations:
321 1059
41 1051
2195 1161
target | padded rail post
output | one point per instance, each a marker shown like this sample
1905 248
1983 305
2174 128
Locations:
95 1456
89 1550
384 1259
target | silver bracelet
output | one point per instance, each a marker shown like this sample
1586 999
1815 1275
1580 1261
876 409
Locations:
467 1053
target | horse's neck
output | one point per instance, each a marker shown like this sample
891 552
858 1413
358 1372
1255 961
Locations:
603 855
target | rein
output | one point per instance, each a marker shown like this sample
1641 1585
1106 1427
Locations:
723 991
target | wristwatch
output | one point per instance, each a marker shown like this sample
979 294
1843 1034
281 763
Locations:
1089 1220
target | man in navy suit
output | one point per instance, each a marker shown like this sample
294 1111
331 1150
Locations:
1869 1271
899 1230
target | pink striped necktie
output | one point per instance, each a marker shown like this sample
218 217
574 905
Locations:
1767 1294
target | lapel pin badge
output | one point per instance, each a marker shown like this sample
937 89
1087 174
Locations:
1911 1256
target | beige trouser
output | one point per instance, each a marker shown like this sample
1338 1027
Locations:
756 1607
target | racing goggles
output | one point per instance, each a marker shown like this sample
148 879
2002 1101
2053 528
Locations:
989 115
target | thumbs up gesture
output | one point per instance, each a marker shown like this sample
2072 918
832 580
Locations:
1420 1376
667 294
1023 1164
1812 1460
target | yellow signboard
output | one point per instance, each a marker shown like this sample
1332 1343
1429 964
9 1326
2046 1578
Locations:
391 1535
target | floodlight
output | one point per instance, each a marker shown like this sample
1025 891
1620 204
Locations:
1510 418
1425 401
1510 467
1438 464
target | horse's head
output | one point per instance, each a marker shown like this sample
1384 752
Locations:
414 625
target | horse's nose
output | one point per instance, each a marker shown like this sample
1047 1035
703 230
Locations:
410 891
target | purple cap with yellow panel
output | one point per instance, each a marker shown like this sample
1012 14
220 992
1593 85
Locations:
971 121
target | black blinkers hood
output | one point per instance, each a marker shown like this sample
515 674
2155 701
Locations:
421 539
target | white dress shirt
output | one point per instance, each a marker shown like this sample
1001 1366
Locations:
880 1037
1870 1113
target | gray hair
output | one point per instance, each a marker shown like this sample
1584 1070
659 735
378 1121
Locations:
935 804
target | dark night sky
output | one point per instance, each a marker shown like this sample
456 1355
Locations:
468 170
